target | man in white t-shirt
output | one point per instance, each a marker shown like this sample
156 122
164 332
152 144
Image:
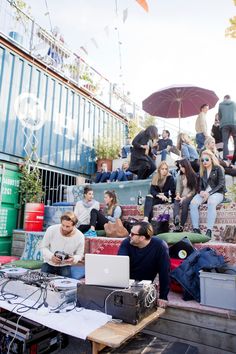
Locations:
62 246
83 209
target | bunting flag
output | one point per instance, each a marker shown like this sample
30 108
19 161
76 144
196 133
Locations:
144 4
125 15
84 50
106 30
93 40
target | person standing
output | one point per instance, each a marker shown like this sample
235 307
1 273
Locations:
227 118
149 258
217 134
66 239
83 209
201 126
142 162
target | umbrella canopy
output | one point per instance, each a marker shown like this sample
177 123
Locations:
179 101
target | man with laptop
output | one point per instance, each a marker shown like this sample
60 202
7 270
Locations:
148 257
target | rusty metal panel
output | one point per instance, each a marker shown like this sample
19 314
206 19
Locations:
65 123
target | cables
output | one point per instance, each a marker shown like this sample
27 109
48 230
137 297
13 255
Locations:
151 294
16 330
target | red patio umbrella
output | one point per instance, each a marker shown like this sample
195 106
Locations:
179 101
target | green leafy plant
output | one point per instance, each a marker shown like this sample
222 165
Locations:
107 149
31 189
22 13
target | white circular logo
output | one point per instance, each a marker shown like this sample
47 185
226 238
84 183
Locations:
30 111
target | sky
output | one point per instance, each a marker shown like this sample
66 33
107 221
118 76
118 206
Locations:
176 42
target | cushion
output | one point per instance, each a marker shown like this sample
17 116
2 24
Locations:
27 264
101 232
32 247
173 237
7 259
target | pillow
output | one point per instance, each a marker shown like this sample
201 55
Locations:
32 247
173 237
101 232
26 264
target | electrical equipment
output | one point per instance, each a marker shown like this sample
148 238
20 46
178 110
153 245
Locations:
130 305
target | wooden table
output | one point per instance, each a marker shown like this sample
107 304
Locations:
114 334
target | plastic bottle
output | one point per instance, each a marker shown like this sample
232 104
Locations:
169 198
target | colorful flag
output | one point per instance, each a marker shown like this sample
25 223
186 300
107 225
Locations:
144 4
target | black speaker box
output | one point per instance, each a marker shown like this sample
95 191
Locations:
181 249
129 305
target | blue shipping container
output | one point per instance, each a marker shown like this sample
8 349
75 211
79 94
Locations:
65 122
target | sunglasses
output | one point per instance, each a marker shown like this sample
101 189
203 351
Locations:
206 159
133 234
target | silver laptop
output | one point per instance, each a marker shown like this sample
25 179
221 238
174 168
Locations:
107 270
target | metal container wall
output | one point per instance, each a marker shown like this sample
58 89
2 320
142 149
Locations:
65 123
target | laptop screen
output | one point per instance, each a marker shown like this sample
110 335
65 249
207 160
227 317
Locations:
107 270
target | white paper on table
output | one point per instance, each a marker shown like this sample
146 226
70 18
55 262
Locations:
77 323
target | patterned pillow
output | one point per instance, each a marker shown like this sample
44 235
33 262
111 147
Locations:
32 247
26 264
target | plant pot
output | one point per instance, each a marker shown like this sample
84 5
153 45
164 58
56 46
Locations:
34 217
16 36
107 161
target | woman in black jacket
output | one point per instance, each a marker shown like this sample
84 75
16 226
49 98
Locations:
212 189
142 162
162 187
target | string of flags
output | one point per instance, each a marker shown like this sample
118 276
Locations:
125 13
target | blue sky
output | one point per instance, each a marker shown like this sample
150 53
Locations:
177 42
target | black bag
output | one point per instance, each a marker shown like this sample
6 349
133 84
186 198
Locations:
161 224
128 224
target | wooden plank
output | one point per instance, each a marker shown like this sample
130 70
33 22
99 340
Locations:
203 349
114 334
224 324
195 333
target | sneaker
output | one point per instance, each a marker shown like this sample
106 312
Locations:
90 233
176 222
208 233
178 229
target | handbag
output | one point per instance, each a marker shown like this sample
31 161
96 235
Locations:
161 224
115 229
128 224
229 234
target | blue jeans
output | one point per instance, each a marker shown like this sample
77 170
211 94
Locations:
163 154
64 271
200 139
212 202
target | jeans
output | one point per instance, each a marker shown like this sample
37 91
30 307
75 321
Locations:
212 202
200 139
228 130
163 155
149 204
64 271
102 177
184 206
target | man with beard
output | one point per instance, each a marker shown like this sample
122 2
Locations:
148 258
62 246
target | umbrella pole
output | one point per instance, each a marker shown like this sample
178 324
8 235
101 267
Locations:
179 115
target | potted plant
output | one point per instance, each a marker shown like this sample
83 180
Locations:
107 150
31 192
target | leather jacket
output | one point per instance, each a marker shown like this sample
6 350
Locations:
216 180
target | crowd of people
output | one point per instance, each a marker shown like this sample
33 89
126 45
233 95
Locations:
200 180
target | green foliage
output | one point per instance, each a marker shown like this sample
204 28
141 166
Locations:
133 129
150 120
30 185
107 149
22 12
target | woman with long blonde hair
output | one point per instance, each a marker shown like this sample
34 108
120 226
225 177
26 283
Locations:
188 150
162 187
212 189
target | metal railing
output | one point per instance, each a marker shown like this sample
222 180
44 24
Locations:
50 48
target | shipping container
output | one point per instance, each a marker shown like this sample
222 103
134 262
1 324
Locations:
47 118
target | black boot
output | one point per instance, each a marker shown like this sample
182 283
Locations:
196 231
208 233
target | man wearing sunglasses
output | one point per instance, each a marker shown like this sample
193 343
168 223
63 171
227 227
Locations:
148 258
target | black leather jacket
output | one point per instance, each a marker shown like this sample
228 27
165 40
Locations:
216 180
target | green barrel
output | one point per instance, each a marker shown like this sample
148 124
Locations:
9 204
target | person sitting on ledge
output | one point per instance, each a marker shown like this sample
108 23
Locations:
122 174
83 209
62 246
212 190
103 175
111 212
162 186
149 258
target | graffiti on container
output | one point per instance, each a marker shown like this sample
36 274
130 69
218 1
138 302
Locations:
30 111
